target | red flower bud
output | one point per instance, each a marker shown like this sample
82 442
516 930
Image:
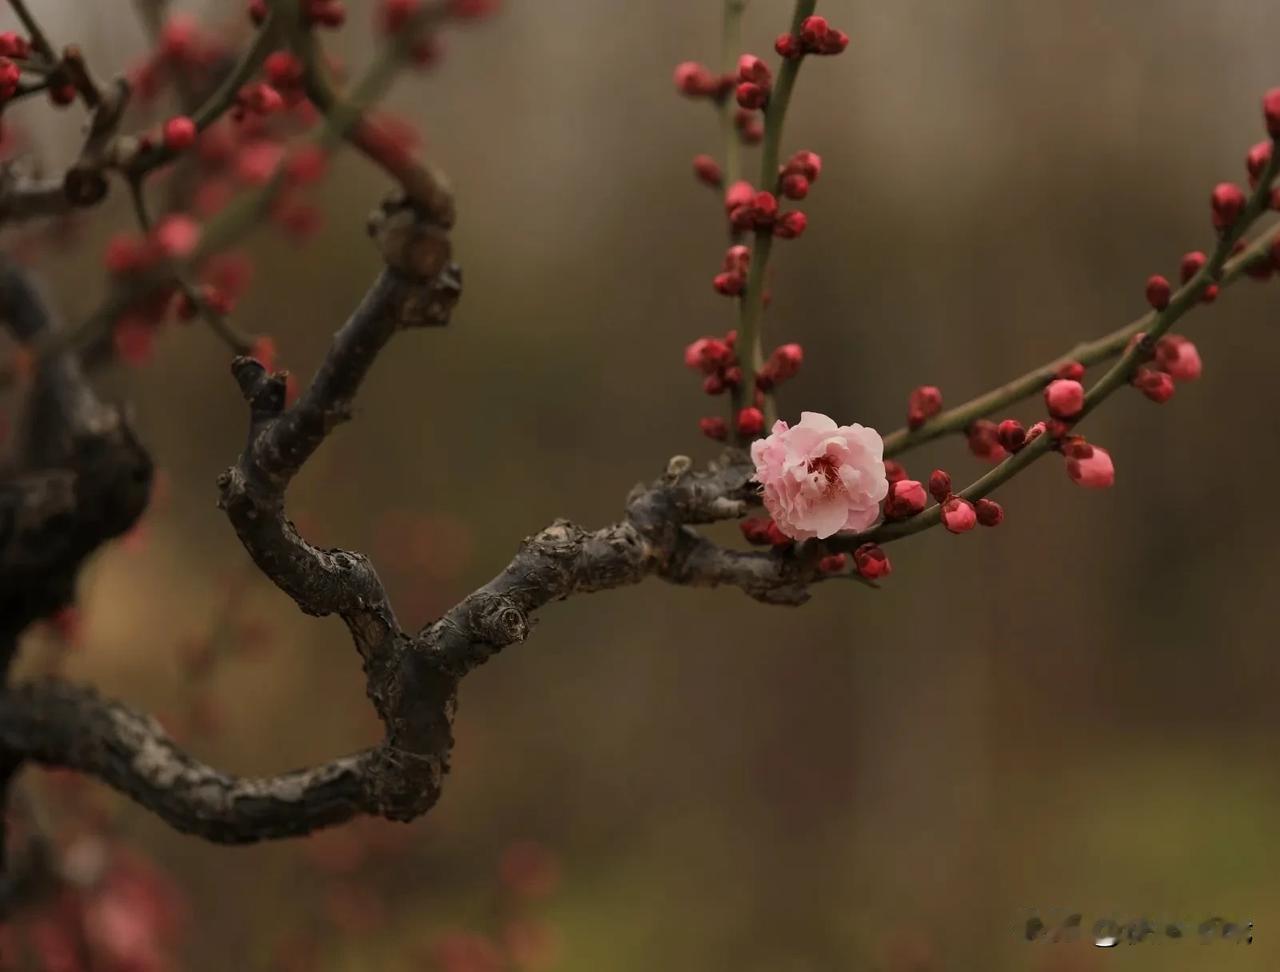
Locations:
984 441
282 69
795 186
989 512
958 515
1256 161
814 30
753 70
1179 357
755 529
923 404
752 96
714 427
179 133
707 355
729 284
1072 371
833 563
939 485
695 80
1064 398
777 537
14 45
738 195
750 421
1158 292
708 171
1192 263
1271 111
786 361
1228 202
787 46
871 562
894 471
1210 294
805 163
905 498
1094 472
791 225
1155 384
765 205
10 76
1011 434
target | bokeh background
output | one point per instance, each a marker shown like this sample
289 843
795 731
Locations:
1075 711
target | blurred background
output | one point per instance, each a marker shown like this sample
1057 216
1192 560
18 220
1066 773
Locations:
1074 711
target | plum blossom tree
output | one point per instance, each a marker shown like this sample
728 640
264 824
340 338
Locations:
258 121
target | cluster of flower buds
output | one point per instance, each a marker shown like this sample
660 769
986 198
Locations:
958 514
923 404
783 364
751 210
816 36
716 360
800 172
755 82
732 279
1173 360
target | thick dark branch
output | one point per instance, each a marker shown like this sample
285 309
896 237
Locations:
418 287
414 698
84 478
654 539
57 724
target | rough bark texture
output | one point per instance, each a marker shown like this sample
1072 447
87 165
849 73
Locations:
87 482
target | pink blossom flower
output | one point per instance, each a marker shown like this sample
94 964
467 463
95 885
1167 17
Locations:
820 478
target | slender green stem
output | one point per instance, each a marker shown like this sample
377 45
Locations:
1155 325
1190 293
750 349
1088 353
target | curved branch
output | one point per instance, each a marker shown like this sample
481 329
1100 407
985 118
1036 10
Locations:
58 724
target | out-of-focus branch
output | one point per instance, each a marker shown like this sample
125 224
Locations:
84 477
